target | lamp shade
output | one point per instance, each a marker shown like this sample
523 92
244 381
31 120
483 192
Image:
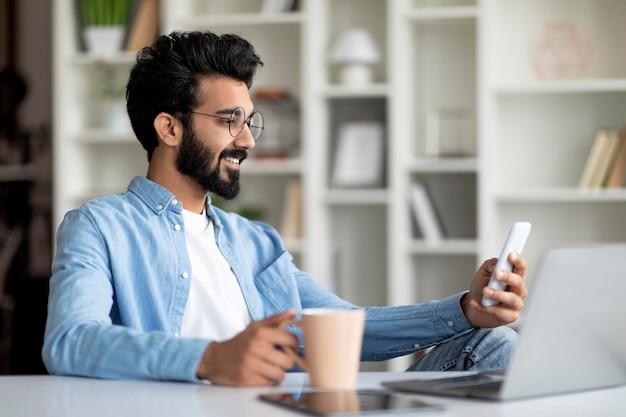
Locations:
355 46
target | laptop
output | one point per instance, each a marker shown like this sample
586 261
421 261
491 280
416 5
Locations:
572 337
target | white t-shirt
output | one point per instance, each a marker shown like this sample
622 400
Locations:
216 308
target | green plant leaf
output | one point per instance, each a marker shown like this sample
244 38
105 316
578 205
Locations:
104 12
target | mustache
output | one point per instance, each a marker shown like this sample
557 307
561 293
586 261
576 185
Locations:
239 154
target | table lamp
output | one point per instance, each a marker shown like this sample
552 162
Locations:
355 50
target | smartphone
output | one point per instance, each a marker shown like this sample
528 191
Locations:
328 403
514 242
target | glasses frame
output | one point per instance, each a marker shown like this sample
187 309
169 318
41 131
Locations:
231 121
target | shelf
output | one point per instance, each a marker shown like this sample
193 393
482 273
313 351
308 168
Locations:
238 19
373 196
428 14
121 59
98 136
259 166
562 194
444 247
345 91
11 173
442 165
562 86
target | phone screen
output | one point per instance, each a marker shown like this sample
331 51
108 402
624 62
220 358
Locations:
347 403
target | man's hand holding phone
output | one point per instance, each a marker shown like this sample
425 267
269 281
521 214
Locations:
498 289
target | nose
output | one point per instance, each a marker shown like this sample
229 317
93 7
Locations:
245 139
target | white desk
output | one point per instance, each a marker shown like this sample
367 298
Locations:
53 396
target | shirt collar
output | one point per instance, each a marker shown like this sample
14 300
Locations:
159 198
155 196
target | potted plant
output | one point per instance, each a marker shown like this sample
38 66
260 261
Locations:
108 101
104 24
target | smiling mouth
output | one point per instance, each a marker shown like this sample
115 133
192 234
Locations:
232 160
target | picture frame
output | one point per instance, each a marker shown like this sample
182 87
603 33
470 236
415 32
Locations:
359 155
277 6
450 132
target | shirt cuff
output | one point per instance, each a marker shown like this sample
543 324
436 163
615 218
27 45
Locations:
449 319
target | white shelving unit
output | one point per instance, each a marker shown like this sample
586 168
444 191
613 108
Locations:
544 125
89 160
103 159
433 67
528 137
355 217
279 40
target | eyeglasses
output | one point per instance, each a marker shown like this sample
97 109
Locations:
237 120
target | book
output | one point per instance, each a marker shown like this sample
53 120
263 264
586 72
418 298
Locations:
454 200
291 221
424 214
605 160
143 25
593 159
617 174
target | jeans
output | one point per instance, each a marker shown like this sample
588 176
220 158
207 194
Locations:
478 350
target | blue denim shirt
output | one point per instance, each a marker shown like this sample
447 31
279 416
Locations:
120 282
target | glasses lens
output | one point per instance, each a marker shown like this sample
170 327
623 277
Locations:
256 125
237 119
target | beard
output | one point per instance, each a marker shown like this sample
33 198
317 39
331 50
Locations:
194 160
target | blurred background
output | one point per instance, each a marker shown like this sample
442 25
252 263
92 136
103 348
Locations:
402 138
25 180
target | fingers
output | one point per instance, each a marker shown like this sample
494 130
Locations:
489 264
519 263
271 362
274 329
510 301
254 371
506 299
515 280
252 357
297 359
497 315
277 320
515 294
486 269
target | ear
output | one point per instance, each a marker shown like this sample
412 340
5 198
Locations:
169 129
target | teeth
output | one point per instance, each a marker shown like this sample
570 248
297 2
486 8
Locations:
233 160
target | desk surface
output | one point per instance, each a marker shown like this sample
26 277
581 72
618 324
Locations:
55 396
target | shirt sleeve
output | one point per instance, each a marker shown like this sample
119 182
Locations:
392 331
80 337
400 330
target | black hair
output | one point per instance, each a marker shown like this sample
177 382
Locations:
166 75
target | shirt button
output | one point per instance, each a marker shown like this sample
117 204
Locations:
177 334
159 207
450 323
185 275
174 201
416 346
177 227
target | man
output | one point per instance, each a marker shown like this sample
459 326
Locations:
156 283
